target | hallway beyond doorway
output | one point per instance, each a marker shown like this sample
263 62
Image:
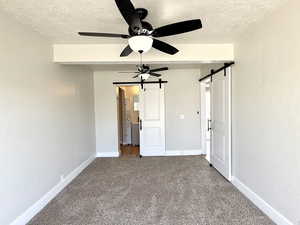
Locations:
129 151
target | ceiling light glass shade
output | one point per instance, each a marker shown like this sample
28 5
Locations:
140 43
144 76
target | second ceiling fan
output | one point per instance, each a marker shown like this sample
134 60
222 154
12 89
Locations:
142 36
144 71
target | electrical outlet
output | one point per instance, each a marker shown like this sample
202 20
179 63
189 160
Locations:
181 116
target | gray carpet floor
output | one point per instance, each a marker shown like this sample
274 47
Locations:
151 190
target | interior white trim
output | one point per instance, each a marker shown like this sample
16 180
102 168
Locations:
153 154
42 202
107 154
276 216
230 120
176 153
93 53
136 62
183 152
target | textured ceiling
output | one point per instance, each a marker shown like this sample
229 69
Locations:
60 20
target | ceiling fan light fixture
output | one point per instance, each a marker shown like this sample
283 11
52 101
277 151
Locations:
141 43
144 76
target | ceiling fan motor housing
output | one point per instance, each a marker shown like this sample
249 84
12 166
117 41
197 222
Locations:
143 13
143 68
147 27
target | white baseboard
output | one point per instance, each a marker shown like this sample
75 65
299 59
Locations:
40 204
167 153
107 154
176 153
276 216
183 152
158 153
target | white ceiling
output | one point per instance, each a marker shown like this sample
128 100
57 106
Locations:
60 20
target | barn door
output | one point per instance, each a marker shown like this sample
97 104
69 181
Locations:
152 120
221 123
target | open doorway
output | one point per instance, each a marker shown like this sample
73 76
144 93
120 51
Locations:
206 117
128 121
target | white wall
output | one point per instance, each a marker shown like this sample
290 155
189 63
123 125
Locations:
266 110
182 95
206 68
46 117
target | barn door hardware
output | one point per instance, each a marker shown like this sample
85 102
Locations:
142 83
213 72
159 83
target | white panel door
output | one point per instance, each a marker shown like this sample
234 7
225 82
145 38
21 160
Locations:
152 120
221 123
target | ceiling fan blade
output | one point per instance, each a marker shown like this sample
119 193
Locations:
159 69
93 34
164 47
128 12
177 28
126 51
155 74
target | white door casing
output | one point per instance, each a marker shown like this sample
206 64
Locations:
152 120
221 123
205 116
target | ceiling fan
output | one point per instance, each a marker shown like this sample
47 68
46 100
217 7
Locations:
144 71
141 35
